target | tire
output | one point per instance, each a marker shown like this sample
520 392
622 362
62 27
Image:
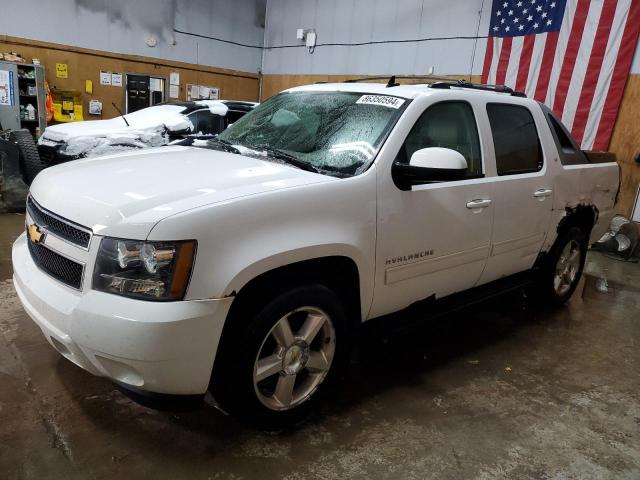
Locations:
563 267
271 377
30 162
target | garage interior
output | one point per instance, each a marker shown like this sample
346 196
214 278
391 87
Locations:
509 388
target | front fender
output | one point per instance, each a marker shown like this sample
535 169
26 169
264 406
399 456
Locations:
248 236
289 257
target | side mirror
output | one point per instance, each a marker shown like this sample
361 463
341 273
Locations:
433 164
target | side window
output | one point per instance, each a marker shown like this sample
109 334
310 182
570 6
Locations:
569 152
206 123
515 139
233 116
447 125
563 139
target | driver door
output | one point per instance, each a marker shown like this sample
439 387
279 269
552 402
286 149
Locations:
435 238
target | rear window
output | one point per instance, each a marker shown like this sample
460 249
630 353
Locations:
515 139
234 115
570 153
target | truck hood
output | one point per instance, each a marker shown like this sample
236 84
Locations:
127 194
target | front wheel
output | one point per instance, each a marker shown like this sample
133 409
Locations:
273 370
563 267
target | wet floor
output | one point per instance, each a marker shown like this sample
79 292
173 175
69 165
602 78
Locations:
505 391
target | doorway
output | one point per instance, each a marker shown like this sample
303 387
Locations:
143 91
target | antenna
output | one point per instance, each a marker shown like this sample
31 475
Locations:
392 82
120 112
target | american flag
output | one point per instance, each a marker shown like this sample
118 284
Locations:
573 55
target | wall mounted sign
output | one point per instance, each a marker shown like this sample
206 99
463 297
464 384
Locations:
95 107
202 92
116 79
62 70
6 88
105 78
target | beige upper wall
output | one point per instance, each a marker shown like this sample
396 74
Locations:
625 143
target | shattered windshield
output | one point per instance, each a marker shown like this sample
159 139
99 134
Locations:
337 133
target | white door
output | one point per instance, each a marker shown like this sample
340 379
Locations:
523 191
435 238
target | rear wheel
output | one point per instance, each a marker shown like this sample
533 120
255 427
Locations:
563 266
30 162
275 368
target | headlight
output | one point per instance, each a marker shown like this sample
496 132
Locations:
148 270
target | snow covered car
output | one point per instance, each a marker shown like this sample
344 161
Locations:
150 127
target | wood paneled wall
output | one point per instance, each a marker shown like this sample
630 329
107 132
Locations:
625 142
84 64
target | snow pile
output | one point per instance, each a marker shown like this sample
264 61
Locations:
178 123
153 116
148 127
215 106
99 145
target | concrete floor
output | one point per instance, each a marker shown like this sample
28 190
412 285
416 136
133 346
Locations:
505 391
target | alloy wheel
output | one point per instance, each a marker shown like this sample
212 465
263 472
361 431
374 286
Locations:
567 268
294 358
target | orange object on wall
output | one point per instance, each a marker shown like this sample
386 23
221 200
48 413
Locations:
48 102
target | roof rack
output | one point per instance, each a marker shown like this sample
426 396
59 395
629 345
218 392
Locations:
392 80
476 86
442 82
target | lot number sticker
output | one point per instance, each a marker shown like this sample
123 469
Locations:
382 100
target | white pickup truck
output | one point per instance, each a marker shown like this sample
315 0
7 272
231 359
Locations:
245 268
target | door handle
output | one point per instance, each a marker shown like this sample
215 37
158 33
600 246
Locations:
478 203
542 193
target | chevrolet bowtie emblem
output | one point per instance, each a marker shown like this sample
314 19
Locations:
35 235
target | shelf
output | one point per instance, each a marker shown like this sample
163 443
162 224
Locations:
28 121
26 78
25 95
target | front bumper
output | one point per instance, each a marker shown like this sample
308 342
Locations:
162 347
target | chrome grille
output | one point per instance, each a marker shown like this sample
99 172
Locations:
59 267
60 227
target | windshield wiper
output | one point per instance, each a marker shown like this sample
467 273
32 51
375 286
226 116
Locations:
223 145
290 159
